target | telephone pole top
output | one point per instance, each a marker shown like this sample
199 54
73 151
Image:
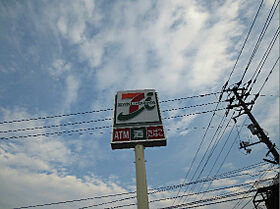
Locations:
255 128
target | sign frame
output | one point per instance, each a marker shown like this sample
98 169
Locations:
137 123
155 126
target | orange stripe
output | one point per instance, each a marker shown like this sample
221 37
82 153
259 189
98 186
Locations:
129 95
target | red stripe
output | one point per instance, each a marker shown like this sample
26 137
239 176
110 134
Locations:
129 95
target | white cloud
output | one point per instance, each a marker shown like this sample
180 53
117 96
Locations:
21 161
72 87
172 35
180 45
59 66
62 26
176 47
28 188
271 119
71 19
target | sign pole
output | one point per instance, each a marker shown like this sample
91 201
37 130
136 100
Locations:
141 182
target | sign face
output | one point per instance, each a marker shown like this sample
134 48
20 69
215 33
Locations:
137 119
136 107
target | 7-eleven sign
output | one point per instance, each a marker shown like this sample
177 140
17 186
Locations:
137 119
139 107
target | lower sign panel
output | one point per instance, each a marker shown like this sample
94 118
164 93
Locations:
155 132
121 134
128 137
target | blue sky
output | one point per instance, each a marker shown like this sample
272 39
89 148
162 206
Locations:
60 57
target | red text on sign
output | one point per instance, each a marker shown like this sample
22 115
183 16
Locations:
122 134
155 132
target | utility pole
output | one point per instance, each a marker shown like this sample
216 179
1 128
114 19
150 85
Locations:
255 127
141 181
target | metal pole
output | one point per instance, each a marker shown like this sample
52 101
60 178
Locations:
141 182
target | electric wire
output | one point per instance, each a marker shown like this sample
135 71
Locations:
260 38
208 191
214 147
251 197
194 206
263 60
47 134
54 125
131 204
233 142
101 127
204 155
218 202
186 107
217 158
96 111
269 74
244 43
224 87
222 163
91 121
223 196
108 202
257 181
190 194
197 151
229 174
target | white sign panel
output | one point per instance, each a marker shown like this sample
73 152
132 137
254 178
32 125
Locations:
136 107
137 119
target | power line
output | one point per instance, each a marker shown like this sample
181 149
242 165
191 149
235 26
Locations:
224 87
106 127
197 151
217 177
212 190
54 125
269 74
204 155
218 156
54 116
109 202
190 194
182 108
218 202
190 97
244 43
96 120
110 109
227 195
131 204
218 170
222 149
75 200
97 111
47 134
230 174
251 197
90 121
263 60
264 29
180 116
240 202
194 206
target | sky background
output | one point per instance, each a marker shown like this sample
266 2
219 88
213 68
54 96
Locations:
61 57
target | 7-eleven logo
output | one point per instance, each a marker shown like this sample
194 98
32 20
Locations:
135 103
